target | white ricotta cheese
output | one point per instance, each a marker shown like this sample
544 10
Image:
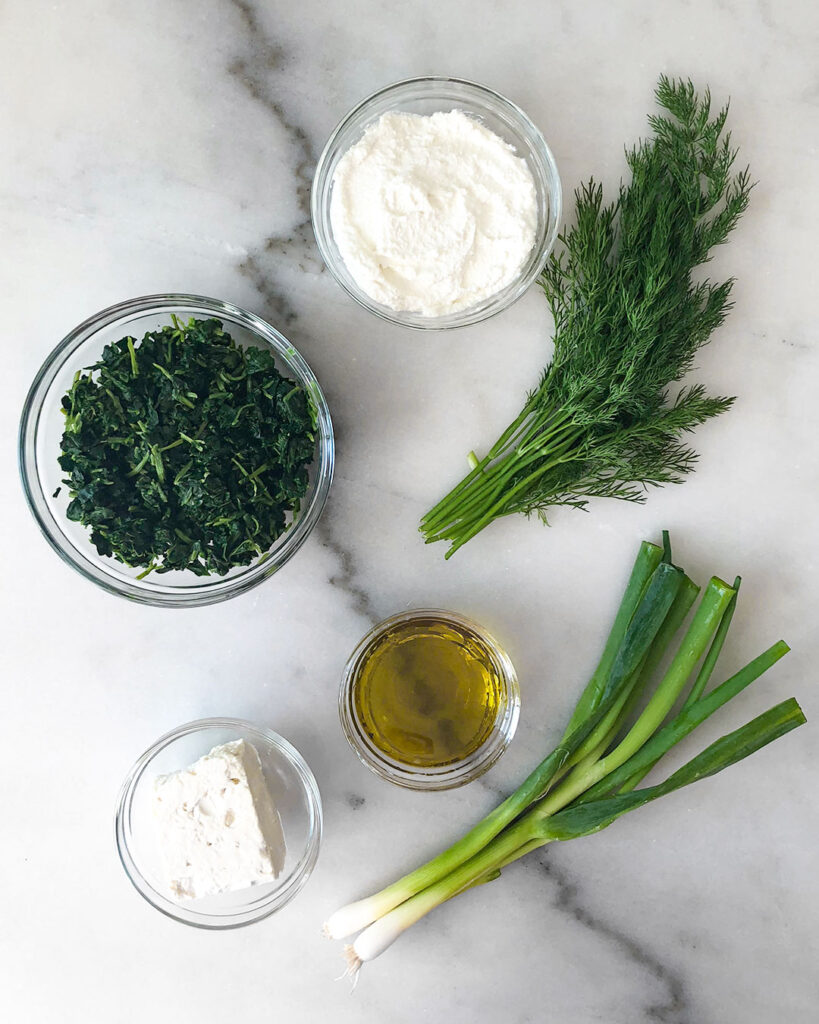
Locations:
218 827
433 213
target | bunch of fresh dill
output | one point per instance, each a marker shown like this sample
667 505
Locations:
629 320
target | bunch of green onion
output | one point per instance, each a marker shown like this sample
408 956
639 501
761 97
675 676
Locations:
621 727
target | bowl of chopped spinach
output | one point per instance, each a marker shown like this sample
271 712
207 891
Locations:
176 450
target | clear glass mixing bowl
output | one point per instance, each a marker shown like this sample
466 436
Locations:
295 795
42 426
450 775
499 115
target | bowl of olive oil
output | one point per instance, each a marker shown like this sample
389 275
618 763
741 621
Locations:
429 700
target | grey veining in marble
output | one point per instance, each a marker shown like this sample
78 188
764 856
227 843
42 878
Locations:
169 146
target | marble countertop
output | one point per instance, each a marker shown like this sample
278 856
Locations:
169 146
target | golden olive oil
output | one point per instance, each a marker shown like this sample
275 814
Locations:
428 691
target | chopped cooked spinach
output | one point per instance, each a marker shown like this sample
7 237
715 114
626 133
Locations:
186 450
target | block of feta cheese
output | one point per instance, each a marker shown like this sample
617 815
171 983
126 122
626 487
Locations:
218 827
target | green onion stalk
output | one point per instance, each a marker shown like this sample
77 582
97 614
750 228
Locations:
622 725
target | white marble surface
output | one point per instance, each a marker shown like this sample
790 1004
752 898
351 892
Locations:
168 145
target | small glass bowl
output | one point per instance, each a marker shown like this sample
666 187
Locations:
42 426
451 775
427 96
294 793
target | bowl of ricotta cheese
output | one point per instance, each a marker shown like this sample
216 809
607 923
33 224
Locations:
219 823
435 203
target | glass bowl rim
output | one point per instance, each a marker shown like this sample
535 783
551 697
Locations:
275 900
452 775
534 140
211 589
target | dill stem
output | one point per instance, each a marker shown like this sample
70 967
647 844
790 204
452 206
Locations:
513 468
485 491
495 508
494 479
482 463
504 446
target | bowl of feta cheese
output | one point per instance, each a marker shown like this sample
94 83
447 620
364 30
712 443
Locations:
219 823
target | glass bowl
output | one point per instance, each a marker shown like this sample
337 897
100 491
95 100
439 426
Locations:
42 425
294 793
450 775
495 112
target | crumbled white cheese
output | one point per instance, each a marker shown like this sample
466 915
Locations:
432 213
218 827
